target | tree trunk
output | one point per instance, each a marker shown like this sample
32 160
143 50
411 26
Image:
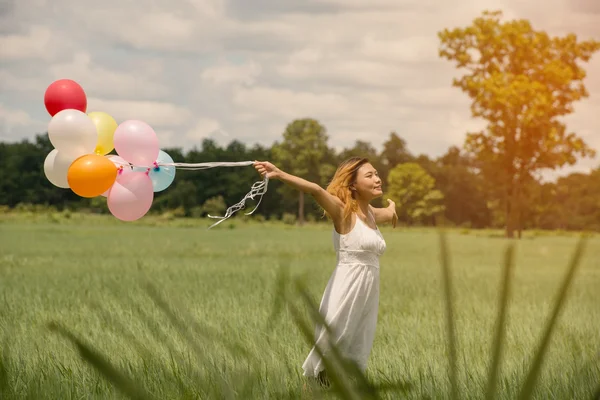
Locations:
511 173
519 210
513 217
508 218
510 227
301 208
519 215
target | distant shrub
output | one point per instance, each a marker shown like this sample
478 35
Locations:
214 206
289 219
197 212
178 212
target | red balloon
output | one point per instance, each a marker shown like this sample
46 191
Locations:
65 94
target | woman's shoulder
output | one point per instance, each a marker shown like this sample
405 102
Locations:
345 225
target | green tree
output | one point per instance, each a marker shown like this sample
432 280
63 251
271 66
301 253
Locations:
199 186
574 201
181 194
304 153
464 191
214 206
395 151
521 81
22 177
417 200
360 149
543 211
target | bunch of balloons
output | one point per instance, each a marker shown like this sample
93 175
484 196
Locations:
80 159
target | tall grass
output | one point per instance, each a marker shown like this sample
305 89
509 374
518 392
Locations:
191 369
348 382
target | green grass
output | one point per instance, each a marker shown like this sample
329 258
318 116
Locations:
175 311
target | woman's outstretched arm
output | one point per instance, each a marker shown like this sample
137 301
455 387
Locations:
331 204
387 214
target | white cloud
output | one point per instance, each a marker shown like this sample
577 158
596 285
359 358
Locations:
210 8
14 123
585 6
141 79
228 73
167 138
11 117
12 82
412 49
448 97
205 128
379 4
38 43
290 104
459 125
155 113
142 32
342 70
185 25
205 68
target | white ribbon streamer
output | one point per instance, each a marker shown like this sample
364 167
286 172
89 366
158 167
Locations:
258 189
199 166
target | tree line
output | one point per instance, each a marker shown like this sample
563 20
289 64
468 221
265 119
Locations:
424 188
521 81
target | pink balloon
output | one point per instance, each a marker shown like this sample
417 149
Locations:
131 197
119 162
136 142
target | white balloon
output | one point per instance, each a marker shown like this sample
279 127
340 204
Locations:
72 132
56 168
119 162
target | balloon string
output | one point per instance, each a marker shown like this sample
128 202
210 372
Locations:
199 166
258 188
191 166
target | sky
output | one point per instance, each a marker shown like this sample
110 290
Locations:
242 70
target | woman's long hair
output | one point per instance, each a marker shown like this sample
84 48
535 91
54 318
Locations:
344 178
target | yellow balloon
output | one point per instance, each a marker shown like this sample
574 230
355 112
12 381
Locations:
106 127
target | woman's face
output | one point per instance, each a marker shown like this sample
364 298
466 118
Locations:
368 183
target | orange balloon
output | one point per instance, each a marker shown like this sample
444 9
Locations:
91 175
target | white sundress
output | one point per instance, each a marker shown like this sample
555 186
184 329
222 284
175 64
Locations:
351 299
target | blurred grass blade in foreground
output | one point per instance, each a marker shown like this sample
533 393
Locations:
5 386
102 365
500 323
279 298
451 330
188 327
529 384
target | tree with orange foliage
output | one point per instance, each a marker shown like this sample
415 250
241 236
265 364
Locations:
521 81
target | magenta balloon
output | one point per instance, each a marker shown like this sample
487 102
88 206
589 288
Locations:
136 142
131 197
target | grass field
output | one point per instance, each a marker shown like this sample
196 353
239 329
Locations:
89 277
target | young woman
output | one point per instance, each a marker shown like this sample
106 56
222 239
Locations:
351 299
